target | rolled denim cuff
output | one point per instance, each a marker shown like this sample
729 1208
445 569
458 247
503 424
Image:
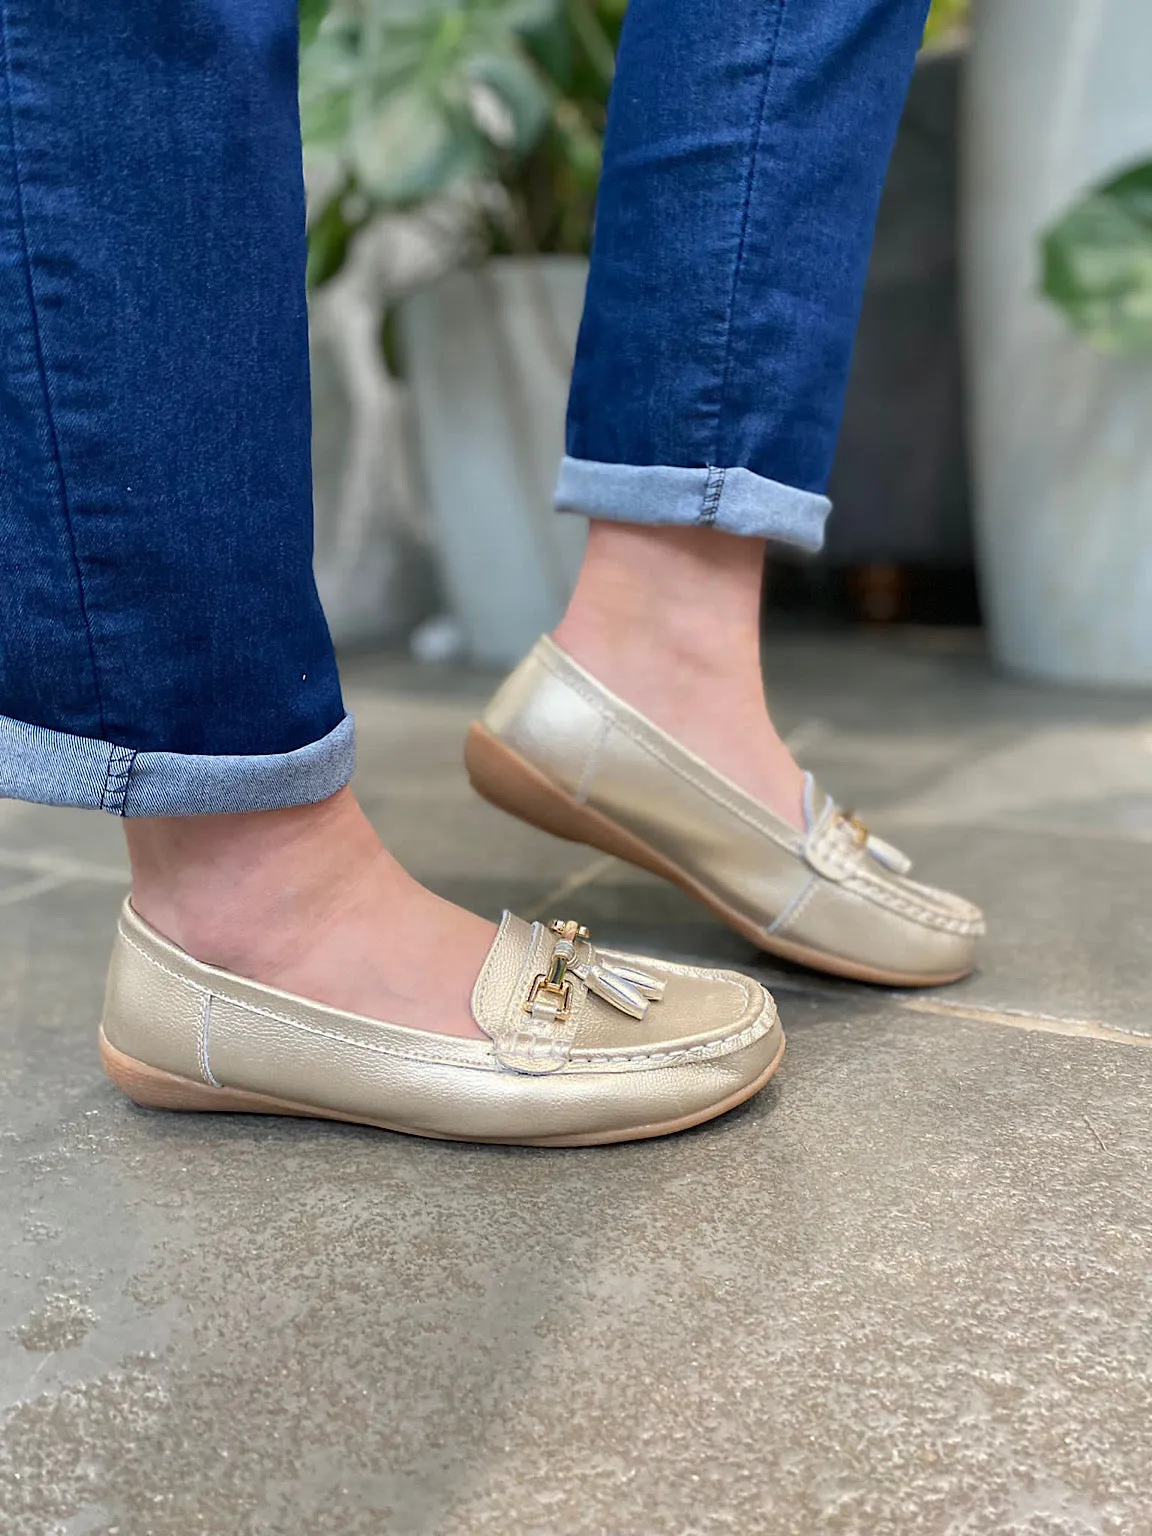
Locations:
665 495
55 768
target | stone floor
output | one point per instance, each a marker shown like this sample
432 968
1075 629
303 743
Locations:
908 1289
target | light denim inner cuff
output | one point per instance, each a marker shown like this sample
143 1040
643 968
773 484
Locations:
55 768
733 500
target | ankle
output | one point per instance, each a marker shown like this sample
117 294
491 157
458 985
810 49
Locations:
682 600
669 619
224 887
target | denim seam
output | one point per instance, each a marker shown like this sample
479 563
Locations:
746 213
713 491
41 367
121 761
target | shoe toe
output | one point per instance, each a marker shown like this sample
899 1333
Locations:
895 933
712 1040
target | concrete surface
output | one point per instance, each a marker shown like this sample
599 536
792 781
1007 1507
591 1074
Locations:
908 1289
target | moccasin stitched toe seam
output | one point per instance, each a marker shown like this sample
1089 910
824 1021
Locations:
486 1059
840 860
890 897
674 1056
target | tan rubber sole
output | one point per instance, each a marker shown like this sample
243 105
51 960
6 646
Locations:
153 1089
504 779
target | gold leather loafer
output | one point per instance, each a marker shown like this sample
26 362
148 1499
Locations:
558 750
584 1046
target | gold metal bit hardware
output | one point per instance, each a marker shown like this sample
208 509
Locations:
561 995
859 830
570 930
554 986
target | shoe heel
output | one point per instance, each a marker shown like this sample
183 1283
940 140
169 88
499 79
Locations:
506 781
153 1089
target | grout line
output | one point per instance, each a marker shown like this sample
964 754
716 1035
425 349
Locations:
587 875
1020 1018
973 1013
37 886
64 868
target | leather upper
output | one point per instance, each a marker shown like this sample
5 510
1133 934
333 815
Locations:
833 887
701 1037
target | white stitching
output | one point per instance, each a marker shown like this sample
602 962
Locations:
711 1048
797 906
159 965
871 889
583 789
824 838
313 1029
205 1022
861 884
201 1062
382 1050
854 879
847 869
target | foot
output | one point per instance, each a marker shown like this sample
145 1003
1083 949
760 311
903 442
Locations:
669 620
309 901
581 1046
556 748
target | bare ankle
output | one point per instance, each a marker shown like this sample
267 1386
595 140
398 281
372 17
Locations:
212 884
669 618
688 597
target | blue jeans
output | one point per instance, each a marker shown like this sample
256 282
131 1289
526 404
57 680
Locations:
162 648
747 144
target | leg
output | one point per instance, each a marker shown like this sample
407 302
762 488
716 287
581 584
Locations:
308 900
669 618
735 221
746 148
163 654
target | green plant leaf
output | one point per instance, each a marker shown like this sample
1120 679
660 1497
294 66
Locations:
329 235
944 18
402 99
511 78
587 24
312 13
1097 263
553 49
583 146
524 15
327 79
412 147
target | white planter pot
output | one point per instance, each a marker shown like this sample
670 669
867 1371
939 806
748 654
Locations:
488 355
1058 98
373 561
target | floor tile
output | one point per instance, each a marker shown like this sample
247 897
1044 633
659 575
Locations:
906 1290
